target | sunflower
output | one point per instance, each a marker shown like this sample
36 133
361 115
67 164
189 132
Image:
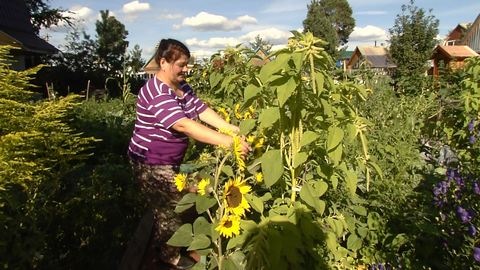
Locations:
237 111
202 186
180 181
237 149
226 115
229 226
259 177
233 198
247 115
250 138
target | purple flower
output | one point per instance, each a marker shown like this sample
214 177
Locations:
463 215
471 125
472 139
476 188
472 230
476 254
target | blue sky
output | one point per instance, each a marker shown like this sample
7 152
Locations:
209 25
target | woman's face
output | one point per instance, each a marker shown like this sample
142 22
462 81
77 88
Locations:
176 71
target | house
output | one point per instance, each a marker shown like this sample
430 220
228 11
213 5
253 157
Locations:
371 57
17 30
451 57
343 59
472 36
456 35
260 58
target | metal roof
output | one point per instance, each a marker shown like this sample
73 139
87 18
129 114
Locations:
377 57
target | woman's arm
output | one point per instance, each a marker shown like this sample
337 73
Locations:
212 118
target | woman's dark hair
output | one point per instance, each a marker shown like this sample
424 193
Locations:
171 50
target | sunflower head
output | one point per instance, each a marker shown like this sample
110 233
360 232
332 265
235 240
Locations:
237 111
203 185
229 226
234 199
180 181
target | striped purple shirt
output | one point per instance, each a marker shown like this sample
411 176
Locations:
154 141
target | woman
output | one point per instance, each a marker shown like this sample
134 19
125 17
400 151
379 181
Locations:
165 117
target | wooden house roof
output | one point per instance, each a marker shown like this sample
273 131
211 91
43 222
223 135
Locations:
375 57
454 52
17 30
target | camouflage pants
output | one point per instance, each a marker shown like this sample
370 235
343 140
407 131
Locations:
158 187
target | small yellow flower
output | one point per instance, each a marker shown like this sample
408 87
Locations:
226 115
237 149
250 138
259 143
251 109
247 115
202 186
259 177
226 131
235 202
237 112
180 181
229 226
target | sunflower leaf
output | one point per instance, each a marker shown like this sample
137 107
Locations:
202 226
185 203
182 237
272 166
200 241
202 203
255 202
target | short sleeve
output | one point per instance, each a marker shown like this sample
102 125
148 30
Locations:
199 105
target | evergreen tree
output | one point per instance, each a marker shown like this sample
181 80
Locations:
112 43
259 43
135 60
412 39
330 20
42 15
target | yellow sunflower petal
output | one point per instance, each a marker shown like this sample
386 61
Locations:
180 181
229 226
233 197
237 149
203 185
259 177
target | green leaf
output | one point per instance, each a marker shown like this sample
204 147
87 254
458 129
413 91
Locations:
255 202
319 79
182 237
272 67
310 196
200 241
351 131
351 181
335 155
297 58
334 180
284 91
186 202
202 203
268 117
360 210
272 166
320 188
202 226
246 126
334 137
354 242
215 78
227 169
331 241
376 168
250 92
308 137
236 241
299 159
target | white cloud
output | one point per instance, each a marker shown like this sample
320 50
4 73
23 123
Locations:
205 21
135 7
368 33
217 42
272 35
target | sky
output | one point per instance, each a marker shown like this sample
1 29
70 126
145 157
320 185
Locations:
207 26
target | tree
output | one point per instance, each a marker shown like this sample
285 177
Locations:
330 20
259 43
112 44
135 60
43 16
412 39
